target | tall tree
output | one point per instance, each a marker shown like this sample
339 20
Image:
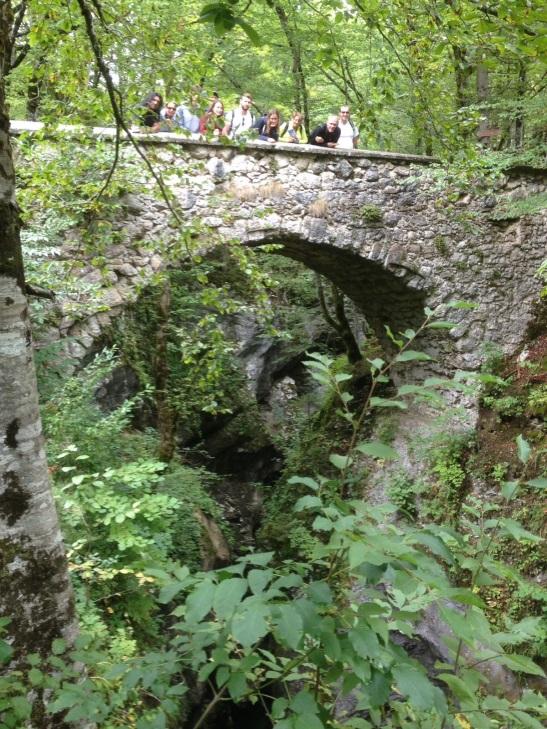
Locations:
35 590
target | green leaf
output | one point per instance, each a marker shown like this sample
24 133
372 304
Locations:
289 626
257 558
435 544
168 592
518 532
459 688
250 625
305 481
376 364
411 355
228 594
304 703
523 449
398 342
521 663
364 642
382 402
251 33
320 592
321 524
357 554
237 685
509 489
537 483
342 377
340 462
58 646
307 502
258 579
6 651
441 325
308 721
200 601
378 450
279 707
413 683
36 677
461 304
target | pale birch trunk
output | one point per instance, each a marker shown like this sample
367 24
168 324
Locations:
35 591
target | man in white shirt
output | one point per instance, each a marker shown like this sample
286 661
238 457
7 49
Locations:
240 120
349 134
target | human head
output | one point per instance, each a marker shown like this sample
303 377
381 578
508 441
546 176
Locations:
245 101
297 119
344 113
272 118
170 109
332 121
153 100
218 108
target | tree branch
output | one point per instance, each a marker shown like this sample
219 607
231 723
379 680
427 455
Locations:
114 95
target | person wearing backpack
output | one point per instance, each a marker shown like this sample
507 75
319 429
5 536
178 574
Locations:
239 121
349 134
268 127
293 131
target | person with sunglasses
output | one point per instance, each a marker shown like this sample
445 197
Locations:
167 115
168 111
349 134
326 135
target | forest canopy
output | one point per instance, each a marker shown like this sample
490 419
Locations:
421 76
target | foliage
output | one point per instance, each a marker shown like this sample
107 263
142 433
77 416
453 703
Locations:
410 73
73 416
537 401
402 494
443 501
118 520
371 213
513 209
284 634
200 358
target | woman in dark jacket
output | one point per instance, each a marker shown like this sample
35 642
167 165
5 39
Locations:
151 106
268 127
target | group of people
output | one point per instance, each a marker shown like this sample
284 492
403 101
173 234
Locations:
338 131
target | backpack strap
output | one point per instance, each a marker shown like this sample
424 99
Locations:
283 129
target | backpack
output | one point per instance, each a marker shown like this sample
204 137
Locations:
235 114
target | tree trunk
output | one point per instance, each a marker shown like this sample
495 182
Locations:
301 91
519 116
167 420
35 590
483 92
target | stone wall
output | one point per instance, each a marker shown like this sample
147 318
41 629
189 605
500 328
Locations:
375 223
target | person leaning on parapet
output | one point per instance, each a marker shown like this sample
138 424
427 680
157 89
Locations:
240 120
268 127
293 131
349 134
326 135
212 122
150 111
187 117
167 115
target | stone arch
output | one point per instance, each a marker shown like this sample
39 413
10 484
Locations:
384 296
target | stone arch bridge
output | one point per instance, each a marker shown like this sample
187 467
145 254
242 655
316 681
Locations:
376 223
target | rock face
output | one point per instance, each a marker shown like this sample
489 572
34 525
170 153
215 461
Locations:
374 223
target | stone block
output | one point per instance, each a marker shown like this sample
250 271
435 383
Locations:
309 181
